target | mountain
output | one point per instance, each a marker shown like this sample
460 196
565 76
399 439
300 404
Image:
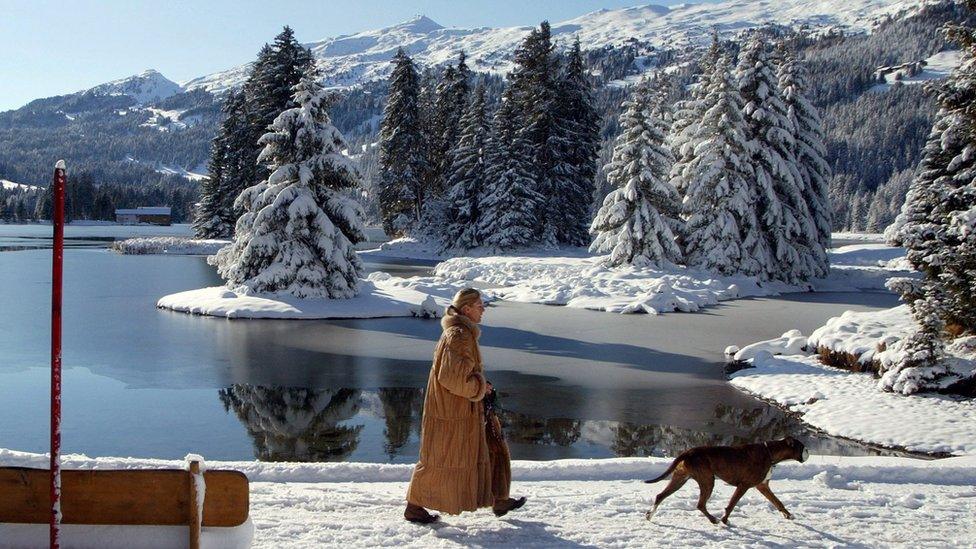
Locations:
356 58
147 87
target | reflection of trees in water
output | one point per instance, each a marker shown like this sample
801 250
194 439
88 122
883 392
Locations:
402 410
296 424
752 425
520 428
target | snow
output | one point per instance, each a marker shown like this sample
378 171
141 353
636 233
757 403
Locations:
381 295
364 56
196 174
10 185
407 248
144 88
869 336
863 237
937 67
173 245
584 282
790 343
837 501
850 405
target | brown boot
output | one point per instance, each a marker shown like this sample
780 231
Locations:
501 508
419 515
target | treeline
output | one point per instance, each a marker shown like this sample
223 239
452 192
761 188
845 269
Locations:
453 171
87 200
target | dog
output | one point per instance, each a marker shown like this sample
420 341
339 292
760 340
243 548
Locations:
746 466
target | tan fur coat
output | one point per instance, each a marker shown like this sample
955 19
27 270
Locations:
454 471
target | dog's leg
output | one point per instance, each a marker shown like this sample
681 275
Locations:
739 492
677 481
766 491
705 484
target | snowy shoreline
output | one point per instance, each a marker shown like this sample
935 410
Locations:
851 401
849 501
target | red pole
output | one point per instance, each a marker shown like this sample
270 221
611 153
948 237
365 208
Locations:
57 208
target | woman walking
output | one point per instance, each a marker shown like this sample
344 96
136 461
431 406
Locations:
464 461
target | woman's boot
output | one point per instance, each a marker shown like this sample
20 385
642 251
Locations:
416 513
501 508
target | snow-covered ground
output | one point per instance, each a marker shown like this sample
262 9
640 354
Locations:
877 238
853 405
850 405
169 245
937 67
407 248
381 295
584 282
836 502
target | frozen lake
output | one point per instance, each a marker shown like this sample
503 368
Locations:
151 383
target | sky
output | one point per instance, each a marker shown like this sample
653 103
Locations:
56 47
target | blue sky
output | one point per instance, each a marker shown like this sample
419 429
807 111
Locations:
57 47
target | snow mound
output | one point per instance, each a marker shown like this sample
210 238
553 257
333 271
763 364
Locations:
173 245
790 343
870 336
585 282
380 297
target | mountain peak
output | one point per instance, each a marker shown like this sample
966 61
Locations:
149 85
420 24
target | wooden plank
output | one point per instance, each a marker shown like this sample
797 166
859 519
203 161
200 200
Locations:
145 497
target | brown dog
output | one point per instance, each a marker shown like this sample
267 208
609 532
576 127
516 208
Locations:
746 466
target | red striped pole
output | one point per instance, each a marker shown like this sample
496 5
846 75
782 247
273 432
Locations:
57 219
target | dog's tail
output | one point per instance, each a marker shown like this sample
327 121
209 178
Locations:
667 473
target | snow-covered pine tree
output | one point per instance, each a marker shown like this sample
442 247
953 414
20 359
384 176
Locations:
452 99
636 223
936 226
782 212
578 128
687 112
717 202
532 95
810 152
268 92
510 202
298 229
402 161
467 177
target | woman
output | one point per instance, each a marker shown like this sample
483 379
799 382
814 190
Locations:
464 462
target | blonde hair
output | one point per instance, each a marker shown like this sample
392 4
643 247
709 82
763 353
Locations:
462 299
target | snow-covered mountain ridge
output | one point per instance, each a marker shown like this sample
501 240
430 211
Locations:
147 87
352 59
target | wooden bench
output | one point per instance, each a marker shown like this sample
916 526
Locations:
159 497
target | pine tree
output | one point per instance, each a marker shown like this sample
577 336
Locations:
402 163
452 98
532 96
810 153
578 131
509 209
214 216
467 178
636 224
298 229
717 201
782 212
688 112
